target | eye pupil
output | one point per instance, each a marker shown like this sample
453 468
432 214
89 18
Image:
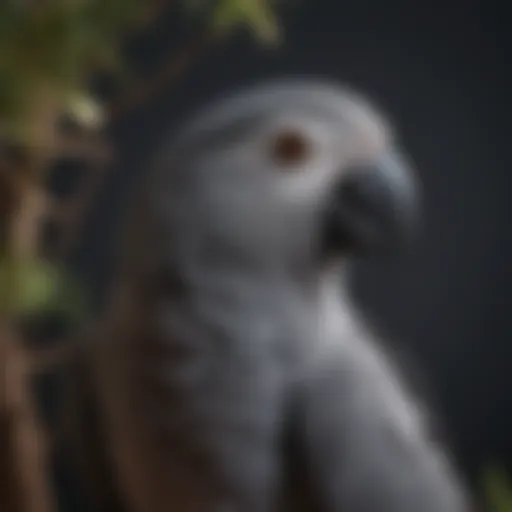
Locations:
290 148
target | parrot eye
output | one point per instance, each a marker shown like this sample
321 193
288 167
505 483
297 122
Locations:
290 147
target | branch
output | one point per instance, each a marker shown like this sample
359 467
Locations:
172 69
72 214
25 226
49 359
25 439
84 146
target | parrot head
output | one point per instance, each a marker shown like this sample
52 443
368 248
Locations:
287 174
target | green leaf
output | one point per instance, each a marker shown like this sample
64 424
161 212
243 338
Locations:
71 300
497 489
256 14
85 110
25 285
225 15
58 45
36 286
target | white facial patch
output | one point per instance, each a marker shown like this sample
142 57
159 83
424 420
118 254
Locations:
309 178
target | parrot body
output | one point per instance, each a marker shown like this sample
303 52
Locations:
232 374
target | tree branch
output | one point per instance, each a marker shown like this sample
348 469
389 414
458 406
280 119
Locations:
49 359
72 213
86 146
174 67
27 450
24 458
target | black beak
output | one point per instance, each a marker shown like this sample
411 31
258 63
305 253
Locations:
374 207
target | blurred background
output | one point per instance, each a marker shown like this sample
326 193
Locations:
75 142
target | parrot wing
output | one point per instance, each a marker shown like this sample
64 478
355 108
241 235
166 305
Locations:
363 442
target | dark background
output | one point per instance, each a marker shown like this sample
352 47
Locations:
439 70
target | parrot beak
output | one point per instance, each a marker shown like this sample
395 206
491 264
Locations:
373 207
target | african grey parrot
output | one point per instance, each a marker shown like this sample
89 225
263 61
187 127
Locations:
232 373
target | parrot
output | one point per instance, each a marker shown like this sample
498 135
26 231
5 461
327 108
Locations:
232 372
